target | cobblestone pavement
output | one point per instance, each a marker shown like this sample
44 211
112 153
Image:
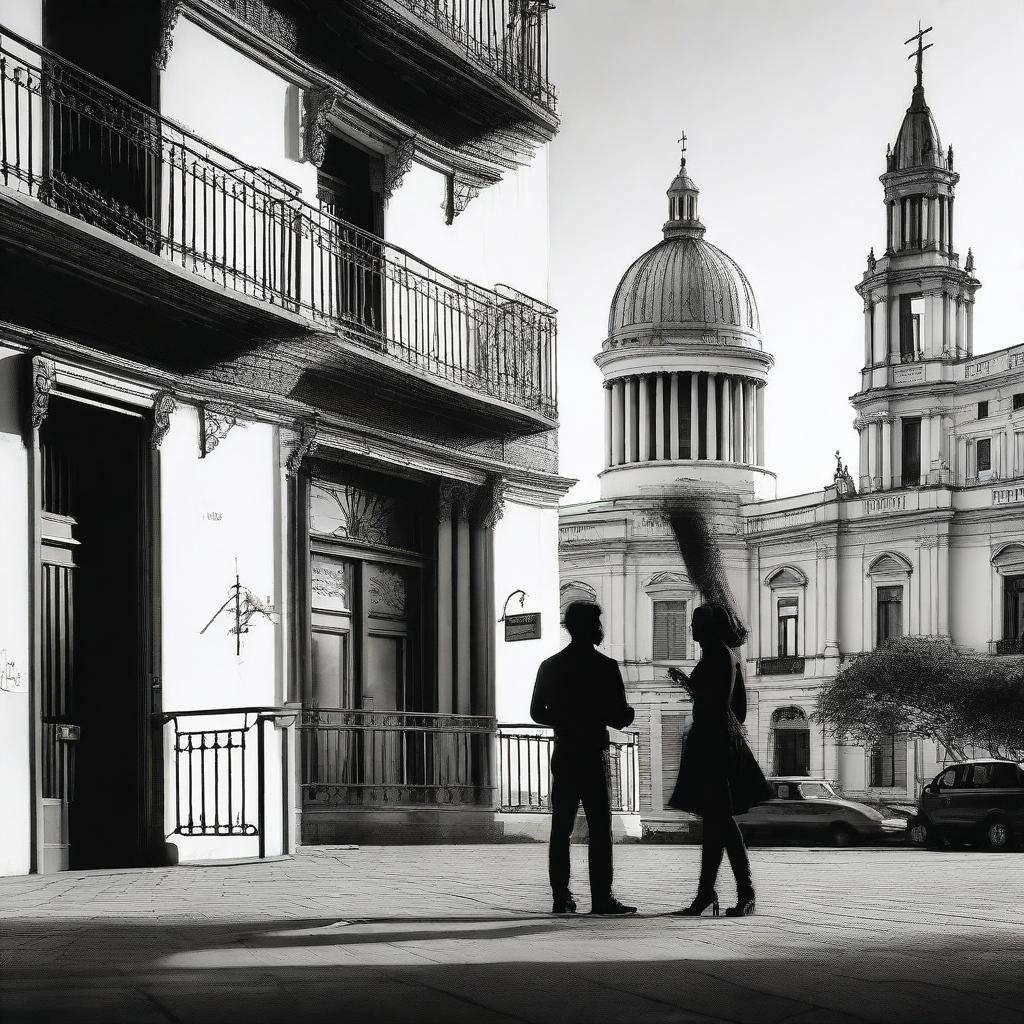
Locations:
452 934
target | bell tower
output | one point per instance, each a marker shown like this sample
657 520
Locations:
918 304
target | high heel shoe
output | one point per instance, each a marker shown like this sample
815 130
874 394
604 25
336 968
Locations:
699 905
745 906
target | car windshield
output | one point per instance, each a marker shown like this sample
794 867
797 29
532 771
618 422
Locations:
816 791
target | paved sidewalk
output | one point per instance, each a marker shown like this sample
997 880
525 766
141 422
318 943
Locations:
452 934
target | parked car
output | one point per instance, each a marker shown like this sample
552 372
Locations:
979 802
810 810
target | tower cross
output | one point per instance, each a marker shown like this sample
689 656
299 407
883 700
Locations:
682 141
919 52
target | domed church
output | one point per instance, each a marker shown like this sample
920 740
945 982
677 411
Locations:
926 539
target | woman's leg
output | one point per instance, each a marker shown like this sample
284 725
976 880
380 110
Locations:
732 840
711 849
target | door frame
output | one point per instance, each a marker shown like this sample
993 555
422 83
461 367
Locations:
149 811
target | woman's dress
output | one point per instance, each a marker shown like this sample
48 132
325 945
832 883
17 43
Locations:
718 773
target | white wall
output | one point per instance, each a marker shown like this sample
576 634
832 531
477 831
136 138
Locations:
229 99
500 238
15 793
216 513
525 558
24 17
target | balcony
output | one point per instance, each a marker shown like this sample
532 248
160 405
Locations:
787 666
201 258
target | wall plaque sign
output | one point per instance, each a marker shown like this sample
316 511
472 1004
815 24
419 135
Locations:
522 627
1008 495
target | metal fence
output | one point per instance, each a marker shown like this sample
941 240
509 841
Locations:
220 771
395 758
82 147
524 769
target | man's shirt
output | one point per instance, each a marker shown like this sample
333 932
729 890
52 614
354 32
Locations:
579 693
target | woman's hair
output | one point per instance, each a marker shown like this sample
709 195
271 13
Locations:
722 624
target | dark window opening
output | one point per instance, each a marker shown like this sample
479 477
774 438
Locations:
1013 608
911 470
702 414
983 410
890 615
985 455
889 763
788 621
1018 400
911 313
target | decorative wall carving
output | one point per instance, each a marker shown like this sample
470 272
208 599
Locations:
393 168
489 506
169 13
163 405
216 421
43 378
304 447
331 584
387 592
355 513
316 105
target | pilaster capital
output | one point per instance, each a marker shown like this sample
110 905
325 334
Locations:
316 106
489 503
44 376
454 501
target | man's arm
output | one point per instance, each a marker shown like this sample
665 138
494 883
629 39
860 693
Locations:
540 707
619 714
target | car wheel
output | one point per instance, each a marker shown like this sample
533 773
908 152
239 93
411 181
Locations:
919 833
998 837
842 835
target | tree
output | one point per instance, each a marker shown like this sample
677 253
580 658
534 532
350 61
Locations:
925 688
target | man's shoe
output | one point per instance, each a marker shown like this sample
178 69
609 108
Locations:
611 907
564 904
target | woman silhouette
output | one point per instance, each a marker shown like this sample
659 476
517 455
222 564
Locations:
718 775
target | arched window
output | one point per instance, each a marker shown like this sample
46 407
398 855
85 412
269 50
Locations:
574 590
790 742
787 584
889 576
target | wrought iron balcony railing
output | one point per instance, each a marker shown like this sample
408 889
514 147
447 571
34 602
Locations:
508 37
524 769
785 666
82 147
395 759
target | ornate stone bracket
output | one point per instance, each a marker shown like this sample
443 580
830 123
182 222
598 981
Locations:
163 405
316 105
215 423
489 506
458 194
169 13
454 501
43 378
393 168
306 445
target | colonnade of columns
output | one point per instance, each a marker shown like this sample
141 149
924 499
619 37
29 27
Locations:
465 558
947 326
883 449
920 221
675 416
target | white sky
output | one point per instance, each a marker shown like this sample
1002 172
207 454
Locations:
788 106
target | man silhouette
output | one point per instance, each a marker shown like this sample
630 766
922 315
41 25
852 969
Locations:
579 693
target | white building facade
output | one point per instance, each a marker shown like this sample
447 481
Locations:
928 540
271 459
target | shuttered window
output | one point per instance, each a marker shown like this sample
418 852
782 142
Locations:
669 630
889 763
674 726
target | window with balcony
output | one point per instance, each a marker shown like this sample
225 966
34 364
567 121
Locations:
911 451
984 455
889 764
788 618
983 410
889 614
670 627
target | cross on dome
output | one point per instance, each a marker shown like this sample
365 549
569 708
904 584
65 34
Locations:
919 52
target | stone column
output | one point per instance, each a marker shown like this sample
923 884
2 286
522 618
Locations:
609 452
869 356
933 220
942 582
712 418
961 341
463 603
629 418
727 438
872 433
970 327
618 432
673 417
694 417
864 462
741 419
832 600
643 382
887 453
659 416
760 424
445 601
748 421
488 508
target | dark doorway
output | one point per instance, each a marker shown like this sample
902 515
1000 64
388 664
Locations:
98 758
